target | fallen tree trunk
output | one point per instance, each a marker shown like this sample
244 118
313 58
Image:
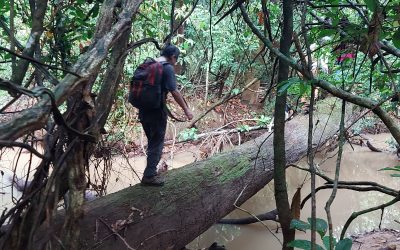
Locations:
195 196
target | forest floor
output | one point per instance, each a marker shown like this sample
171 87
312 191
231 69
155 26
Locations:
384 239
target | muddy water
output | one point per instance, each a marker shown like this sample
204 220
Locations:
122 175
357 164
9 159
125 171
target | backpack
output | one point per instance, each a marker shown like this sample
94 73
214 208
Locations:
145 89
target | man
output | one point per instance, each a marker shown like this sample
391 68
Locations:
154 122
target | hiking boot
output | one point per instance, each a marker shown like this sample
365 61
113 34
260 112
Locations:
156 180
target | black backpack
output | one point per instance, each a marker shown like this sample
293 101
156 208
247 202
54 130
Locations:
145 91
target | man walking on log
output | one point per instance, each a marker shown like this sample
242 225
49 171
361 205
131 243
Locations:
154 121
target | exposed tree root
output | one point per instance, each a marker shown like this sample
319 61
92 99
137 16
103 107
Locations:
271 215
374 149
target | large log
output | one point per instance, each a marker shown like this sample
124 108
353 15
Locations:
197 195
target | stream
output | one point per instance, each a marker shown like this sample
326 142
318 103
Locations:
359 163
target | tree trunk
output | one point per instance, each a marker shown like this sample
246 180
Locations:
194 197
280 184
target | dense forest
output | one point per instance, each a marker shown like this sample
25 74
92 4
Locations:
269 83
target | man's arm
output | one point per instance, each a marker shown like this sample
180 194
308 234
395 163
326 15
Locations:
179 99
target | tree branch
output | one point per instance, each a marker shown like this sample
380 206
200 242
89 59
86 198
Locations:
354 215
21 145
38 15
53 80
227 98
31 59
86 66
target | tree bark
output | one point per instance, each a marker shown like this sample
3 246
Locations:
38 14
280 184
194 197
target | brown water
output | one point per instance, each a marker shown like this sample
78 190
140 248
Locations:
122 174
357 164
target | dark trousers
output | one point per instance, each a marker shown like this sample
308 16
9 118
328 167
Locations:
154 124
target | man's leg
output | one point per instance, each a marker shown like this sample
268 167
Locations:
155 133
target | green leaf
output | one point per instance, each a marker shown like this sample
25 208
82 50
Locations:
244 128
300 225
344 244
79 13
321 226
7 56
285 85
303 88
371 4
396 38
395 168
235 91
96 8
325 240
2 4
303 244
165 15
395 175
326 32
335 19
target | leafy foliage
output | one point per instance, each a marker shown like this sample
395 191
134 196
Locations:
263 120
395 168
188 134
321 228
299 87
244 128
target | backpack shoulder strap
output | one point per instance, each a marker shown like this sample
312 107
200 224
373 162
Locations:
149 60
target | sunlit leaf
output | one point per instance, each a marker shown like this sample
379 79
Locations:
244 128
235 91
344 244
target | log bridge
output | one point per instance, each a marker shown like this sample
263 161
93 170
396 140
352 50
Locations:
198 195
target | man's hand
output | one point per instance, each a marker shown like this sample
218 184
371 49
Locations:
189 114
179 99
